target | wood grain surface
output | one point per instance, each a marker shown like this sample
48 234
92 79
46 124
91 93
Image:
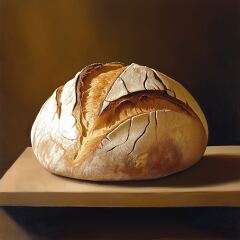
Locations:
214 181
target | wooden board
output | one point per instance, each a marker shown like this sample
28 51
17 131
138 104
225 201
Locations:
214 181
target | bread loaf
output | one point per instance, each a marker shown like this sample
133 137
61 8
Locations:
119 122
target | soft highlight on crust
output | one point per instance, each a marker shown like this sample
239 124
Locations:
114 111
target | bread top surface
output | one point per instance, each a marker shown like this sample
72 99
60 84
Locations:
108 94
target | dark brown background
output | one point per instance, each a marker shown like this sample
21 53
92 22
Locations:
44 43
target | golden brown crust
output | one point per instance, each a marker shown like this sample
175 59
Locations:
85 83
118 122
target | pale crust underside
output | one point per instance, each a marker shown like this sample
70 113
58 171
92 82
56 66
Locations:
116 122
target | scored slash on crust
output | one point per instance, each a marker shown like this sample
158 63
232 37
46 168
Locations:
134 78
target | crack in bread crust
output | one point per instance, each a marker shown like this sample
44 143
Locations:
135 142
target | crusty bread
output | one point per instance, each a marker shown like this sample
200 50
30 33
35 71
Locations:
118 122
